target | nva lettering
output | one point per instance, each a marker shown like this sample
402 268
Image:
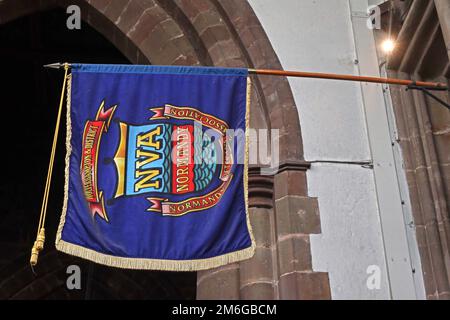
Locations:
145 178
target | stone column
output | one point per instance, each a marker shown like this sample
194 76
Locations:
297 216
282 217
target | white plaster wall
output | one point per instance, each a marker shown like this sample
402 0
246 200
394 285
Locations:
317 35
351 238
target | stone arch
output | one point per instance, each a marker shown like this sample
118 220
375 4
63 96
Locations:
186 32
226 33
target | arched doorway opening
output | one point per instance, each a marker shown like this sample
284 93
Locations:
30 96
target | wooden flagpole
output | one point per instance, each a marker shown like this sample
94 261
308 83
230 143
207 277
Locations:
329 76
344 77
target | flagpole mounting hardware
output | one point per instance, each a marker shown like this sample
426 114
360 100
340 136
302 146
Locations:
426 91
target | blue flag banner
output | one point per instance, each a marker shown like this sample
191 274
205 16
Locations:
156 167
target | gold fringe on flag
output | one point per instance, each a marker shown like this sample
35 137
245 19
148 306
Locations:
155 264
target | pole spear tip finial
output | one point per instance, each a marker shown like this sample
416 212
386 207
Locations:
56 65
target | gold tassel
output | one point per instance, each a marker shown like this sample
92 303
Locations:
38 245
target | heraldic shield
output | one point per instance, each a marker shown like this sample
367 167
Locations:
156 167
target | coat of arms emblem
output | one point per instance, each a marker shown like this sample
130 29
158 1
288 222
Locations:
169 160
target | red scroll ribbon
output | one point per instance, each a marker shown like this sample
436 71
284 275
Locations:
205 201
178 209
210 121
92 135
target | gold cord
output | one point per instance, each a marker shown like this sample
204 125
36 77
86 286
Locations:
40 237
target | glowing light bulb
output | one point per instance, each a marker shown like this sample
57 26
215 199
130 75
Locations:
388 46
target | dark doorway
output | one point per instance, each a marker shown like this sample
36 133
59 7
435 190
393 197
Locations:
29 96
